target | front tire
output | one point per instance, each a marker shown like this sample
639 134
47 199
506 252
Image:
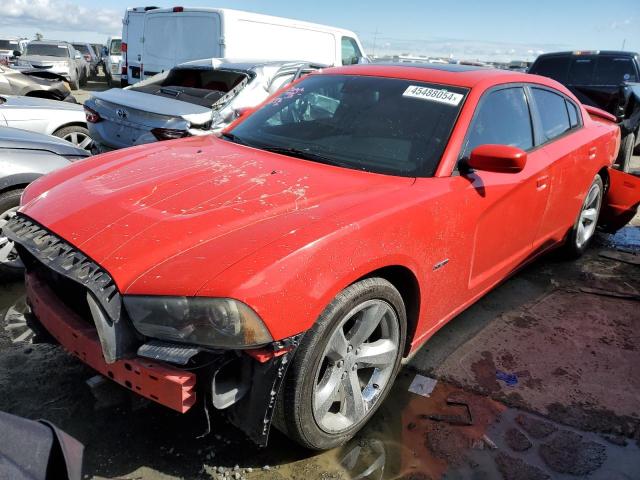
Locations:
75 84
584 228
345 366
10 264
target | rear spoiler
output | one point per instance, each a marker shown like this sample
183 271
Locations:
597 112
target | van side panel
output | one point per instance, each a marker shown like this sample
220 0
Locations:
174 38
249 38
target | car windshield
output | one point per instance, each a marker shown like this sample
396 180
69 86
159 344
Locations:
383 125
116 47
50 50
8 45
81 47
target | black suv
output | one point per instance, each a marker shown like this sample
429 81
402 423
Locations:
605 79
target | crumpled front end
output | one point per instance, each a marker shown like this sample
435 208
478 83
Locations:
79 304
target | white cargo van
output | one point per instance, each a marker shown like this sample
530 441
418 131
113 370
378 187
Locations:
177 35
132 34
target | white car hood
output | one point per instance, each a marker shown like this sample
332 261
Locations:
146 102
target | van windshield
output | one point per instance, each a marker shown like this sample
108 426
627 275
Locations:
81 47
8 45
382 125
47 50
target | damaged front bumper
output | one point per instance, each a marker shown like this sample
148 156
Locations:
77 303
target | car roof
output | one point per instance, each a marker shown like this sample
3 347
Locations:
49 42
456 75
586 53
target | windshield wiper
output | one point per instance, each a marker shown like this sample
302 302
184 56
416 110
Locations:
235 139
304 154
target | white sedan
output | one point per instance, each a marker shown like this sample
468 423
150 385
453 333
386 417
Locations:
62 119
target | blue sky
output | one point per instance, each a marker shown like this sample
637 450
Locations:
468 29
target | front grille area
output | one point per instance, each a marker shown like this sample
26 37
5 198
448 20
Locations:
68 270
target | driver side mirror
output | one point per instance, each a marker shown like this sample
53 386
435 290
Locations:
16 53
77 56
497 158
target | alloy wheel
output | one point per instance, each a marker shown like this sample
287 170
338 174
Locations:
589 215
8 255
80 139
356 366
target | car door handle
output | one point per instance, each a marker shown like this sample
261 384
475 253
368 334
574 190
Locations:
592 153
541 183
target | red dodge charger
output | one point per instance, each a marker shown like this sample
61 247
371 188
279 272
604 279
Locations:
283 271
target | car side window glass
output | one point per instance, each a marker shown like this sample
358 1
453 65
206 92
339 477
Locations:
350 51
502 118
553 113
573 114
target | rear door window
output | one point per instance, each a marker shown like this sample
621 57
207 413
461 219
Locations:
552 67
574 115
502 118
552 109
615 70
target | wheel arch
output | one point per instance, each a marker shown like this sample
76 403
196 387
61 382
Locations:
71 124
406 282
604 174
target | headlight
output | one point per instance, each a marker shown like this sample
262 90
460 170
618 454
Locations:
214 322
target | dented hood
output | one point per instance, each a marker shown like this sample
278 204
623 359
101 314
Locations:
166 219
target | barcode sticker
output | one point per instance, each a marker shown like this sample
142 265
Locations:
433 94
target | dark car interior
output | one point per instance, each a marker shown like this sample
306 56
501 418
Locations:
202 87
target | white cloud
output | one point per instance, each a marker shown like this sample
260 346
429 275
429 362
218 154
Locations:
60 15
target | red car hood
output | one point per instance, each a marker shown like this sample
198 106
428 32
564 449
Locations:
165 220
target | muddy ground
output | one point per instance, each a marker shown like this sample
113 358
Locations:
538 380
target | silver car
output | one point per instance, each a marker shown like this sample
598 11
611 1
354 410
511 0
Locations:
194 98
90 56
57 57
25 156
61 119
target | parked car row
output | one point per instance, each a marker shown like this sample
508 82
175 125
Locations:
57 57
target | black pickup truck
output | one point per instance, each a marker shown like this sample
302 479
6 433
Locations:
609 80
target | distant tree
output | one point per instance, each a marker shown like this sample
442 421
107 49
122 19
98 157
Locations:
39 36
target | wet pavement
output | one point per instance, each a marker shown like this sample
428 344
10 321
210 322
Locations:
537 380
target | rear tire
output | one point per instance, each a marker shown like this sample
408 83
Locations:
75 84
584 228
75 134
333 388
10 265
623 162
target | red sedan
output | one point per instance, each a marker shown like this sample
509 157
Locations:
284 270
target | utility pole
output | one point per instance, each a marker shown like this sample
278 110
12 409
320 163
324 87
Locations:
375 40
624 43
